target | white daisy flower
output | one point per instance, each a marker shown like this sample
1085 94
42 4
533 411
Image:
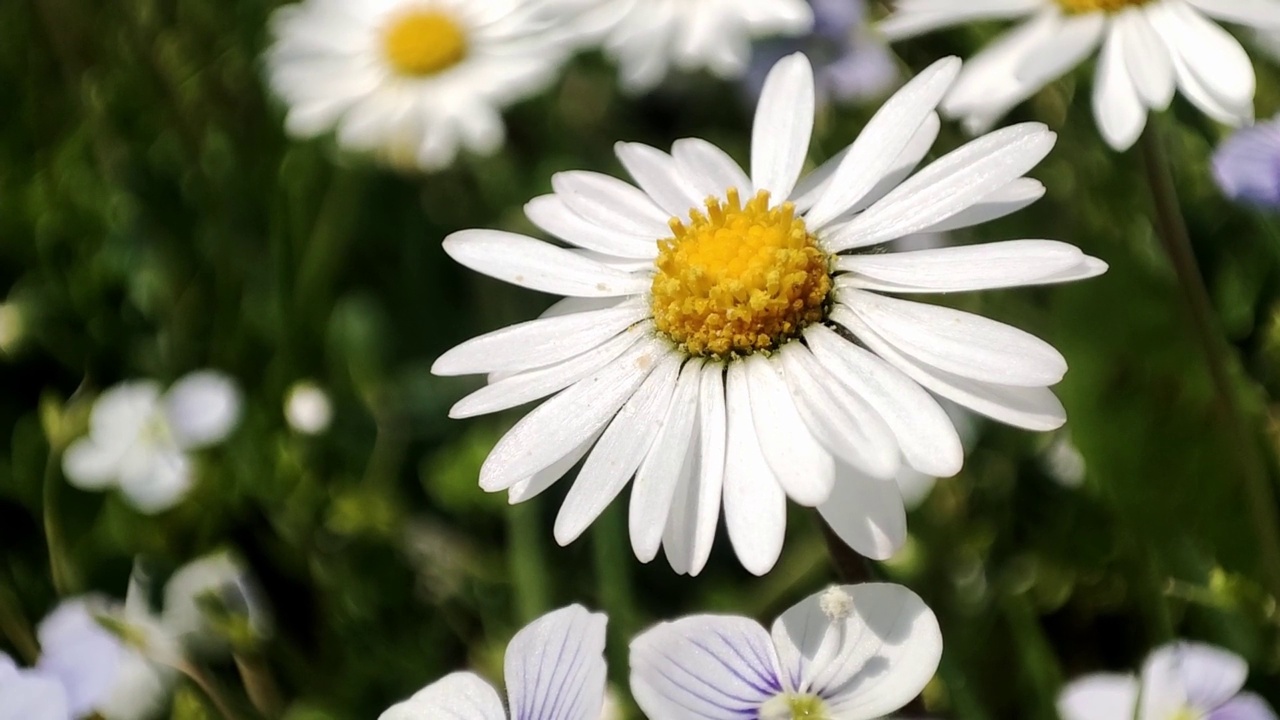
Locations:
140 439
654 36
1149 49
1179 681
853 652
412 79
747 352
554 667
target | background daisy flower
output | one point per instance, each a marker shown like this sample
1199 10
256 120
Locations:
411 79
751 351
140 438
1149 49
554 667
1179 680
653 37
852 652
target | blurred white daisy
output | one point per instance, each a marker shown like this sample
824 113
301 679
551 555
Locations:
554 667
1179 681
654 36
411 79
1149 49
140 437
747 352
853 652
307 408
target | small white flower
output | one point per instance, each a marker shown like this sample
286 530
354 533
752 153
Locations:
862 665
139 439
653 36
220 583
307 408
1179 681
30 694
1149 49
749 351
411 78
554 667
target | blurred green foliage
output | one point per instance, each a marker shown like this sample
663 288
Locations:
154 220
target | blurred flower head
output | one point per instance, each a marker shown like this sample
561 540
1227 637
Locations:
850 62
213 604
1247 165
140 437
417 80
30 694
1149 50
307 408
705 344
853 652
554 667
1179 680
655 36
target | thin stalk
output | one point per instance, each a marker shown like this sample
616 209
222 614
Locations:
15 627
851 568
612 558
210 688
528 561
260 684
60 569
1176 240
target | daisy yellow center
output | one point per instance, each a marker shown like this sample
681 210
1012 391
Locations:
739 278
794 707
1088 6
424 42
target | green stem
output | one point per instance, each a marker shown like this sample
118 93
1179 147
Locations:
850 567
528 562
612 557
210 688
259 684
60 569
1176 240
16 629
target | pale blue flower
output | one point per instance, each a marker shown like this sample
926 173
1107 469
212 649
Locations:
1178 680
1247 165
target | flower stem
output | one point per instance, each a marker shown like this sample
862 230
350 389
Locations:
15 628
209 687
1176 240
259 684
60 569
851 568
528 562
613 579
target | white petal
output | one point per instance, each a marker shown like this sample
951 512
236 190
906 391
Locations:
91 465
1072 39
459 696
691 526
80 652
542 480
534 384
203 408
140 690
32 696
659 474
558 426
708 168
947 186
880 144
924 431
616 456
656 173
555 666
1117 108
988 266
1210 55
1185 673
537 265
1032 408
917 19
1147 58
610 202
159 482
962 343
755 507
997 204
550 213
538 343
704 667
867 513
1099 697
803 468
839 419
869 663
783 125
1264 14
121 411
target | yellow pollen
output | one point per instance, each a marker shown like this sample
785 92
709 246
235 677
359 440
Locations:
738 279
424 42
794 707
1075 7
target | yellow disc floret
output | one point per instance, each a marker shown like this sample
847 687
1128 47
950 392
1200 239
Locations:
424 42
738 279
794 707
1076 7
